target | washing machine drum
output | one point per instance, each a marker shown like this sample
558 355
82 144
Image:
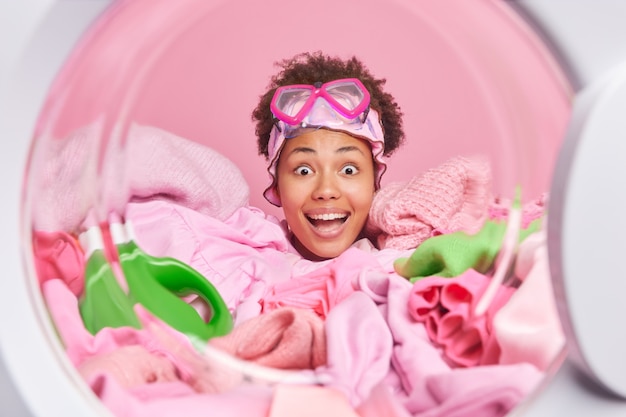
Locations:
144 195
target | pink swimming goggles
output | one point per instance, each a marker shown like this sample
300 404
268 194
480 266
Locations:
341 105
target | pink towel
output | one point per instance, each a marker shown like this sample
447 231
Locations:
453 196
446 306
154 164
287 338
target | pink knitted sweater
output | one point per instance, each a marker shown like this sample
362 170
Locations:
453 196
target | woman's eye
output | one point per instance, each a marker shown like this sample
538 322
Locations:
303 171
349 170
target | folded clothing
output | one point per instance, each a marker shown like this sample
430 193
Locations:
453 196
151 164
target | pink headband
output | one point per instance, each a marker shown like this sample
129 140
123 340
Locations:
371 130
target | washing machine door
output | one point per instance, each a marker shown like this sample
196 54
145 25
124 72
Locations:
586 225
588 198
36 37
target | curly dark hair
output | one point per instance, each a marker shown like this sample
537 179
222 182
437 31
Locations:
309 68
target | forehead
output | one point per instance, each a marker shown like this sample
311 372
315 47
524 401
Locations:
322 140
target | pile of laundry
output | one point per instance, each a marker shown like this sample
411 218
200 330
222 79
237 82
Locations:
452 314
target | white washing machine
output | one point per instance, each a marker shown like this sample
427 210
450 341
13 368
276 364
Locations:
587 40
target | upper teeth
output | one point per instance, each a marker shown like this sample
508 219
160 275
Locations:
327 216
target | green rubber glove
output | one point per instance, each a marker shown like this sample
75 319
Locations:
452 254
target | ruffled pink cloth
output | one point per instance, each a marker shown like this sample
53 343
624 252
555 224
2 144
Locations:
59 255
453 196
286 338
446 307
154 164
423 381
360 347
321 289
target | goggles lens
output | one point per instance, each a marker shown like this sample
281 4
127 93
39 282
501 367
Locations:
347 97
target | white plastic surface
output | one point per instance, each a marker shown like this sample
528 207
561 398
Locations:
587 206
570 394
588 34
587 228
35 36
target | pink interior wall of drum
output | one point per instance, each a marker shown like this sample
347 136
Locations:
469 75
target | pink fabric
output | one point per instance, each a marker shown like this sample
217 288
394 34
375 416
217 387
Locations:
374 346
309 401
248 258
446 306
485 391
177 399
424 383
531 314
130 366
382 402
499 209
59 255
133 357
323 288
287 338
206 245
153 164
453 196
415 357
242 255
359 347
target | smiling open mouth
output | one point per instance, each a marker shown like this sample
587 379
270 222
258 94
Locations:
327 221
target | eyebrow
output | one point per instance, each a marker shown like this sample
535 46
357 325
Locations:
302 149
343 149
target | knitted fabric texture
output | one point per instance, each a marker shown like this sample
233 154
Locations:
451 197
287 338
152 164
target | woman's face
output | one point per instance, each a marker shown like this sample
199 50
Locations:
326 186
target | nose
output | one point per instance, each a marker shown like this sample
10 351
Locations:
327 187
